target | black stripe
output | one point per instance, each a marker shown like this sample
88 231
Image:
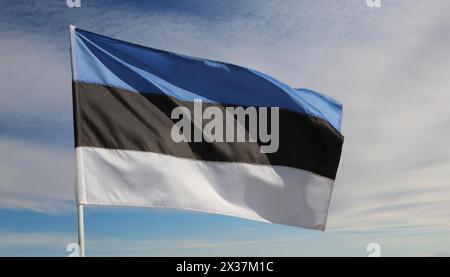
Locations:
114 118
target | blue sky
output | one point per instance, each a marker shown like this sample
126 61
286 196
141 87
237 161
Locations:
389 66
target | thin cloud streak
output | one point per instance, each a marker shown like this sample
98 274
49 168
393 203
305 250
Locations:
36 177
390 77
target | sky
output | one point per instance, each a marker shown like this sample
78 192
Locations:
389 66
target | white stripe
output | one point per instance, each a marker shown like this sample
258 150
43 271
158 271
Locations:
275 194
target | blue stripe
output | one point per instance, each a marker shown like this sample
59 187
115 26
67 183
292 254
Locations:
106 61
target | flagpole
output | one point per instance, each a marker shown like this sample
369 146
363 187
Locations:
81 229
80 213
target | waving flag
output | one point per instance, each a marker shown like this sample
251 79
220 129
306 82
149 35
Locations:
158 129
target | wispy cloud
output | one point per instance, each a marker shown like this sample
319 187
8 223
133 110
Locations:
34 244
310 244
391 77
35 177
35 102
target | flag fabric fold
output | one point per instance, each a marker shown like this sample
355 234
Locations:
159 129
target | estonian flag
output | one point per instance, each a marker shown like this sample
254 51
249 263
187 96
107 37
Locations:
158 129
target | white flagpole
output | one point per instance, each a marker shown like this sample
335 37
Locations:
80 213
81 229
